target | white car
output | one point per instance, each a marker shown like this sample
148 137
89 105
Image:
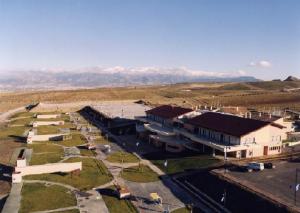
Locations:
256 166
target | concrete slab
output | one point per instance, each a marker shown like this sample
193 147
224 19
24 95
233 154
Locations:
13 201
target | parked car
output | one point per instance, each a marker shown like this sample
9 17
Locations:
269 165
244 169
256 166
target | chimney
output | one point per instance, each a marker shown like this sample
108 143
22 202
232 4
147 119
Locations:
205 107
259 114
246 114
237 109
270 115
249 114
211 107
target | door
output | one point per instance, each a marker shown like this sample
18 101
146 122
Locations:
266 150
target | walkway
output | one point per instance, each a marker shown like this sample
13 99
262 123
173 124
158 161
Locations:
13 202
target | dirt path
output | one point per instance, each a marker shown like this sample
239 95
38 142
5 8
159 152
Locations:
6 115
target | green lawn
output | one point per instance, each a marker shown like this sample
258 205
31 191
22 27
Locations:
39 159
180 163
22 121
45 130
114 204
182 210
39 197
77 140
69 211
117 157
23 114
12 132
87 152
142 174
45 153
45 147
94 174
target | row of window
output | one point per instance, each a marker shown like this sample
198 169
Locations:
274 148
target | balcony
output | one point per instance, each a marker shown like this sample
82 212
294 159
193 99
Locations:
161 130
211 143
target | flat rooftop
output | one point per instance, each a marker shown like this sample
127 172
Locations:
121 109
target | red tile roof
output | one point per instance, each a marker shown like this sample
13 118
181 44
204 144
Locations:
229 124
168 111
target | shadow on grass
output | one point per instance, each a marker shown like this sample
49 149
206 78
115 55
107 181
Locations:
162 155
17 138
60 173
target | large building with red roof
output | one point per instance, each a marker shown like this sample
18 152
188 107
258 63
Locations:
176 128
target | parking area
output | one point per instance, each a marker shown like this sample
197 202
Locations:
278 183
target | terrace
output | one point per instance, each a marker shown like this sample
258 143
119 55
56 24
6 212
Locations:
215 144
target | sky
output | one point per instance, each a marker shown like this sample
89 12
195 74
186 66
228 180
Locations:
258 38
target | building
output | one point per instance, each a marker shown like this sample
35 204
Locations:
232 135
158 126
117 117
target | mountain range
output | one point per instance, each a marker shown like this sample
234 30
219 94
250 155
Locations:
110 77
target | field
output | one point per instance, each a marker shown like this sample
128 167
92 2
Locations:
181 162
141 174
93 174
34 199
263 94
114 204
125 157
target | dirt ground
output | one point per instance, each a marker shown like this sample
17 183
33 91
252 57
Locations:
257 94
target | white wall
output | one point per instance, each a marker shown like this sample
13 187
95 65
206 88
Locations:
46 123
48 116
49 168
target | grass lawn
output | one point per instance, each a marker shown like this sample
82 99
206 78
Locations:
77 140
182 210
114 204
93 174
45 130
117 157
45 153
12 132
70 211
22 121
45 147
142 174
38 159
181 162
87 152
39 197
23 114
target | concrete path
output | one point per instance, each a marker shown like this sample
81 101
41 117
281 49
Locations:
13 202
51 183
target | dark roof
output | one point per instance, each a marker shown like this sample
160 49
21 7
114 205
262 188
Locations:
168 111
229 124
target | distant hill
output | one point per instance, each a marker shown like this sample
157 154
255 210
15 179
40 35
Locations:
118 76
292 78
262 85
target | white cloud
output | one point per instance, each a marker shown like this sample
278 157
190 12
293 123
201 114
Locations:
242 72
261 64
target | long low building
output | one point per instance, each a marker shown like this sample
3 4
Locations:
176 129
118 117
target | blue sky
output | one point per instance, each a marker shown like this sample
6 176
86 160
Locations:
255 37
